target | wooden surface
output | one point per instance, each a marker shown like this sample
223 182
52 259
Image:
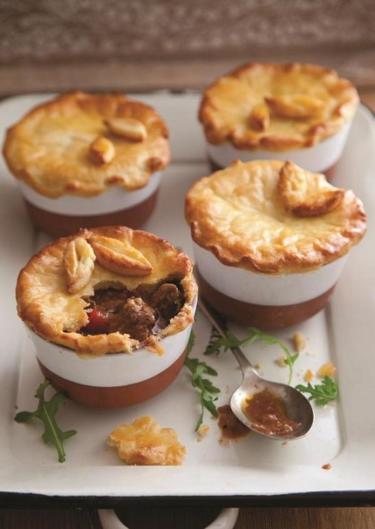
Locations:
368 98
254 518
132 30
172 74
139 44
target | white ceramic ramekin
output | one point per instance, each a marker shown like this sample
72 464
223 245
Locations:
67 214
320 158
112 380
268 301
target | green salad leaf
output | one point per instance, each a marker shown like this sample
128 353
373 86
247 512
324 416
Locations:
208 393
219 344
322 393
46 413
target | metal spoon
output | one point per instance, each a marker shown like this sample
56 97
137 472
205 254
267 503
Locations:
297 407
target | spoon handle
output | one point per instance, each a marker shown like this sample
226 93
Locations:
237 352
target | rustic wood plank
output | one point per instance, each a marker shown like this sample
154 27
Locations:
45 519
255 518
368 98
42 31
314 518
143 75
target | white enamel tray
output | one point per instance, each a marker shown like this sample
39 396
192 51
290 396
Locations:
252 470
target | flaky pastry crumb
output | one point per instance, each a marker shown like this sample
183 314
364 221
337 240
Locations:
280 361
144 442
202 431
299 342
308 376
327 370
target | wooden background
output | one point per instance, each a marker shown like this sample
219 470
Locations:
254 518
141 45
144 44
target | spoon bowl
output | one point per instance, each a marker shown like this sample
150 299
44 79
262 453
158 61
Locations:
278 405
297 407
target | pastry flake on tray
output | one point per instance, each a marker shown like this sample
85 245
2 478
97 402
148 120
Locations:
144 442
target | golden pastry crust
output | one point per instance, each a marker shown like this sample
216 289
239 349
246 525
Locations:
79 260
276 107
120 256
306 194
46 305
67 146
240 215
144 442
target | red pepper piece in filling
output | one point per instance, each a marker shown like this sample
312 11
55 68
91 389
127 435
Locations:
98 322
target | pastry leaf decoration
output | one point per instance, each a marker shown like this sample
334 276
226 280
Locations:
120 256
128 128
79 259
298 106
306 194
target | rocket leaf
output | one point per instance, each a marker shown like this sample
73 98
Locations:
46 413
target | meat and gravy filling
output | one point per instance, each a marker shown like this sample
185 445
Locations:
141 312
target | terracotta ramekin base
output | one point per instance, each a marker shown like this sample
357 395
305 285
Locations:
329 173
58 225
265 317
117 396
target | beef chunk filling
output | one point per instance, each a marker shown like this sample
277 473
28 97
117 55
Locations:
109 299
139 313
168 300
135 318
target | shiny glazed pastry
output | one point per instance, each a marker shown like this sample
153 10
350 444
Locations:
88 160
110 312
271 240
297 112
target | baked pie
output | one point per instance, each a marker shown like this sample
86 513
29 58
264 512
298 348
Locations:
123 300
270 240
297 112
88 160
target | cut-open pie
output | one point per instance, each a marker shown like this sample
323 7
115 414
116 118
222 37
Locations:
107 290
